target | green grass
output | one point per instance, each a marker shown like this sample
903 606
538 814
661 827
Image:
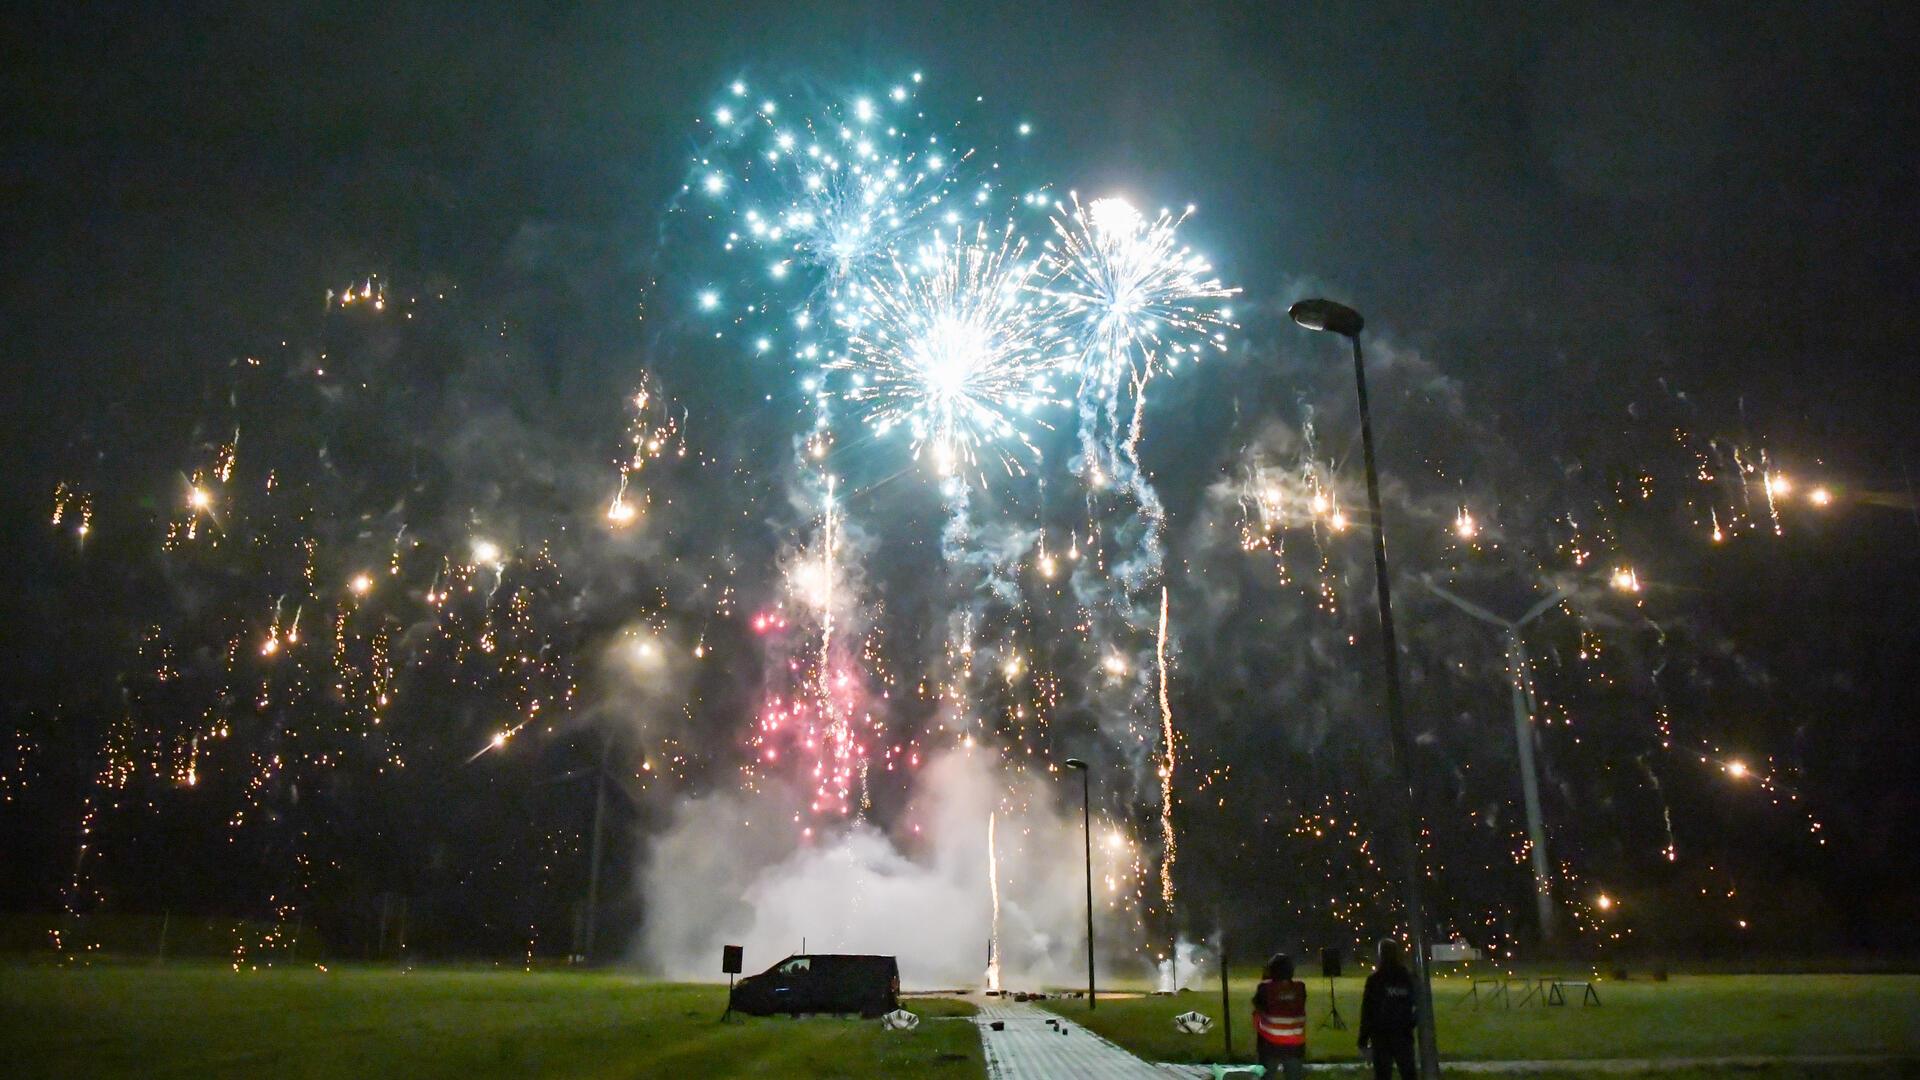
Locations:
191 1021
201 1021
1685 1017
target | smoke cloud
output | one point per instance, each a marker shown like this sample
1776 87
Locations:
725 871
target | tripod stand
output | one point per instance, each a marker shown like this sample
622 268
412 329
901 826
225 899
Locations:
1333 1009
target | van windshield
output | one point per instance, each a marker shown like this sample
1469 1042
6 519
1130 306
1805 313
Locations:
795 966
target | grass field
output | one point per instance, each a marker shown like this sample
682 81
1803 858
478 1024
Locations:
1685 1017
204 1021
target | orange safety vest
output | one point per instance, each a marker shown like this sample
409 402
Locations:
1280 1013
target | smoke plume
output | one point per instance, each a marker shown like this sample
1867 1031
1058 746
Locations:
725 872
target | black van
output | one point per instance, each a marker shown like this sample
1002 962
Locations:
868 985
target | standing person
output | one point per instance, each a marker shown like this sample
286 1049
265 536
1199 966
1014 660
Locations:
1387 1015
1280 1016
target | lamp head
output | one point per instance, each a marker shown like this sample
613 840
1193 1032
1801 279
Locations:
1328 316
1074 763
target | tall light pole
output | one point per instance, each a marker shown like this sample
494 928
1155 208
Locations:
1086 833
1329 317
1522 695
593 858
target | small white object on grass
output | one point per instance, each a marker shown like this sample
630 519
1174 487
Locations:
900 1020
1193 1023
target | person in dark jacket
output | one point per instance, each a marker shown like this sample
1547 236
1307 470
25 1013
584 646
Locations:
1280 1020
1387 1014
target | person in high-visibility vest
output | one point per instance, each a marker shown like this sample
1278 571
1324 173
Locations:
1280 1019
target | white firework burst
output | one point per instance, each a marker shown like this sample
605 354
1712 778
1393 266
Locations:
956 346
1140 298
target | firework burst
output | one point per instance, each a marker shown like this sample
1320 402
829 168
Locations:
1139 301
954 347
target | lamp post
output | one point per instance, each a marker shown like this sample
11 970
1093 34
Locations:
593 858
1327 316
1522 737
1086 832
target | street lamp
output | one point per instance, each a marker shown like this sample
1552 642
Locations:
1522 736
1329 317
1086 832
593 858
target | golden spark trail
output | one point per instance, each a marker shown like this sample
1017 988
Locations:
993 879
1166 763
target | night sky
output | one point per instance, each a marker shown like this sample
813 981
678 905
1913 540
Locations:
1588 241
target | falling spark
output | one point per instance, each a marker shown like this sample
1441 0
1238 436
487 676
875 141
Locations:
1776 488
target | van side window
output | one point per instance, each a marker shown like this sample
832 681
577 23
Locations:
796 965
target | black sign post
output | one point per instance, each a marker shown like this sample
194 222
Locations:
1330 967
730 957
